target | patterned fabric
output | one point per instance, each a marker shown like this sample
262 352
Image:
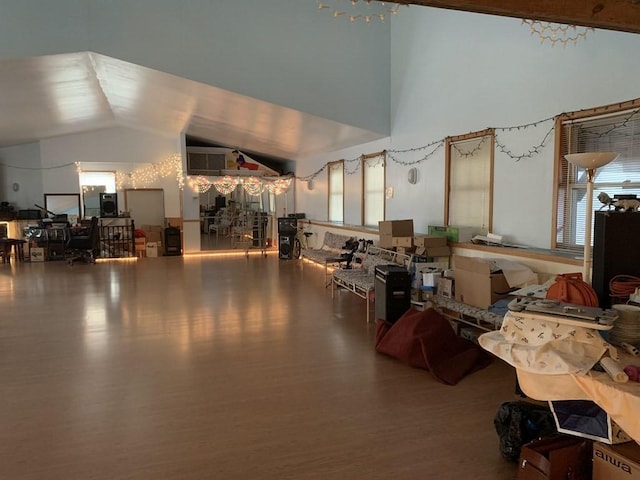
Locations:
548 347
357 276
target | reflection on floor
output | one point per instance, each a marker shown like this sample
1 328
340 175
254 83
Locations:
225 242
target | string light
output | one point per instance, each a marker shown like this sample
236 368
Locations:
253 186
470 153
364 10
150 174
279 186
557 32
199 184
225 185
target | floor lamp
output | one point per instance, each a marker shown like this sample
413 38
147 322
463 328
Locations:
590 162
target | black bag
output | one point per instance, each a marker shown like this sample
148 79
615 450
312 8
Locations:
518 423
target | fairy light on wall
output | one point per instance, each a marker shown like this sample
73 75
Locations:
150 174
366 11
557 32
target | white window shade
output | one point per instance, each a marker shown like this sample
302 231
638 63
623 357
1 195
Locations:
336 192
373 190
470 183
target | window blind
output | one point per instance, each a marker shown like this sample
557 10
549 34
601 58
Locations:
619 132
336 192
470 183
373 190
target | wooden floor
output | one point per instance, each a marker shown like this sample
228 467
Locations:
221 368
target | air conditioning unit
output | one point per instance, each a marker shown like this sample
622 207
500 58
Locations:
205 163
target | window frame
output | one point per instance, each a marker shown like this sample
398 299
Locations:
489 187
565 173
364 159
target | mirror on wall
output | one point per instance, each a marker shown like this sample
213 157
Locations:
63 204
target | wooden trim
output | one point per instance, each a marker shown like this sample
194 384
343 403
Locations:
362 167
557 164
447 178
491 179
602 110
381 153
622 15
541 255
384 185
471 135
351 228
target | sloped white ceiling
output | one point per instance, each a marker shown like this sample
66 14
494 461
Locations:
47 96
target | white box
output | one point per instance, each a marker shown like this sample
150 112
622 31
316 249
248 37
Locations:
152 249
36 254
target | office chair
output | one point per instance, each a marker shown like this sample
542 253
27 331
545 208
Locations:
83 244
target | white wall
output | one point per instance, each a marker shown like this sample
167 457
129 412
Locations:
21 165
456 72
114 149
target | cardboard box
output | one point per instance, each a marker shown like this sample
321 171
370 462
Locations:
406 242
405 250
437 230
444 287
461 234
152 249
396 228
141 244
433 252
616 462
152 236
454 234
36 254
385 241
475 284
428 241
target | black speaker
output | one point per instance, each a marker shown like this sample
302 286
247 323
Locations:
287 225
392 292
285 246
108 205
172 241
614 251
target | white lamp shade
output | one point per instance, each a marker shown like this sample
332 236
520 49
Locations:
591 159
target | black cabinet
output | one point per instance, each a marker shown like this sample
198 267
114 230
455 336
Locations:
172 241
392 290
615 250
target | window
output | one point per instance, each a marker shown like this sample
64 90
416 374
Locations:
373 187
593 131
336 191
469 193
92 184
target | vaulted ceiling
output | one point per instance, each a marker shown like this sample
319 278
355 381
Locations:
63 94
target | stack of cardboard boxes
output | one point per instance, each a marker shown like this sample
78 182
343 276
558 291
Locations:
432 252
153 240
